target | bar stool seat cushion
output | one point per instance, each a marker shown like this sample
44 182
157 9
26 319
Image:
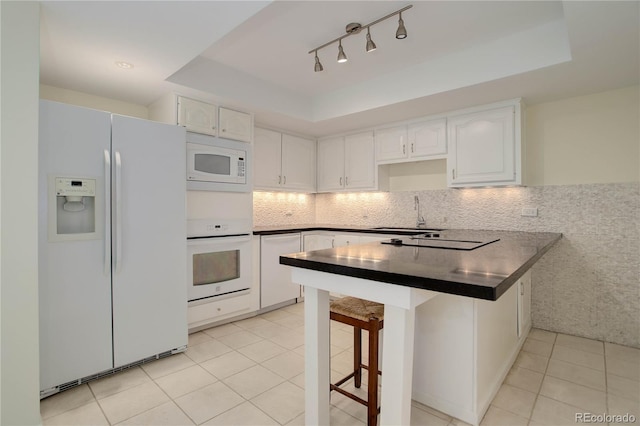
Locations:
357 308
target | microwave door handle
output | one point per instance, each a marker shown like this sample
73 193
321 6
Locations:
107 213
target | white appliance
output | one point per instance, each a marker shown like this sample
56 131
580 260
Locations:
216 164
218 259
110 243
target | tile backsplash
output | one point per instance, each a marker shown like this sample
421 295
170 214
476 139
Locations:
587 285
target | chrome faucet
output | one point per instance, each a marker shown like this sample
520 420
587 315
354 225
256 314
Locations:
420 219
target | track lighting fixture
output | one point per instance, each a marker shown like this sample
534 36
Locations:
371 46
318 67
355 28
341 56
402 31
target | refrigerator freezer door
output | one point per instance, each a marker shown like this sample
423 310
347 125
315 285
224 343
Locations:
149 289
74 290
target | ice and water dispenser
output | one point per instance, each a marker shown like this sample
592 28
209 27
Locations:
72 215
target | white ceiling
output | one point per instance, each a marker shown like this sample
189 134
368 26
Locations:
253 55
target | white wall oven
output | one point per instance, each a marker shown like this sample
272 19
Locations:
216 164
218 259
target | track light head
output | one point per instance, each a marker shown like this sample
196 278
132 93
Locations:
318 66
341 55
402 31
371 46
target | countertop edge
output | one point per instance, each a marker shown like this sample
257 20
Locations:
304 228
515 276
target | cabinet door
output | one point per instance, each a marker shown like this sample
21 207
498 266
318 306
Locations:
235 125
330 165
298 163
275 279
428 138
482 147
197 117
391 144
359 162
524 303
317 242
267 163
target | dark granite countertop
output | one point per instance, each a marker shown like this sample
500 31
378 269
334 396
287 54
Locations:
288 229
484 273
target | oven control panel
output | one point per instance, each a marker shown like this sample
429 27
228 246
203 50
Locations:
198 228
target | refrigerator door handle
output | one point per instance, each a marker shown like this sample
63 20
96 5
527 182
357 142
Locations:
117 224
107 213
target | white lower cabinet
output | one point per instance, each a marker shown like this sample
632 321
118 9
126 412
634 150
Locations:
275 279
318 240
311 242
524 304
464 349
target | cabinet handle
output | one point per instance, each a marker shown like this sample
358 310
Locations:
346 181
224 130
333 245
404 149
213 127
340 180
279 179
412 148
284 180
521 288
453 174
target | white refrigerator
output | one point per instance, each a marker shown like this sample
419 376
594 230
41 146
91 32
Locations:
112 243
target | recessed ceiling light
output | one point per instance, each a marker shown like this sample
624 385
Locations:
124 65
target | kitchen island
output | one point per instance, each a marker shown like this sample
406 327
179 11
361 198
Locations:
486 316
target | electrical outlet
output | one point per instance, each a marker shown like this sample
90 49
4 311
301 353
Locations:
529 211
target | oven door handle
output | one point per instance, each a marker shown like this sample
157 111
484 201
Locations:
219 240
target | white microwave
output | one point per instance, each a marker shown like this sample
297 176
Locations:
215 164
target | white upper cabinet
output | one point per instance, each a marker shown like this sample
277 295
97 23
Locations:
284 162
428 139
202 117
235 125
359 162
414 142
267 150
391 144
347 163
298 163
198 117
331 165
485 148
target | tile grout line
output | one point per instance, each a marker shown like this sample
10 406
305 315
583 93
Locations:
544 375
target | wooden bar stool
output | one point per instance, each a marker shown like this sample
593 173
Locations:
361 314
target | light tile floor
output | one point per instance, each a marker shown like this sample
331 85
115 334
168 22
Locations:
251 372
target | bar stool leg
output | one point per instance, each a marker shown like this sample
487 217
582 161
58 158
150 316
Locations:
372 406
357 356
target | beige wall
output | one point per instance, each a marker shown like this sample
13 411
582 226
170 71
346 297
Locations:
581 140
91 101
586 139
19 365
